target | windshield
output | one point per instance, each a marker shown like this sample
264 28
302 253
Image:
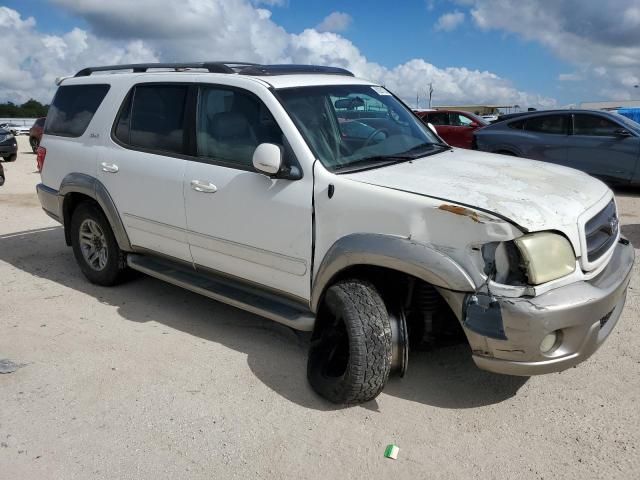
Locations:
357 126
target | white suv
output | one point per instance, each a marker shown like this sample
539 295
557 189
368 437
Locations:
318 200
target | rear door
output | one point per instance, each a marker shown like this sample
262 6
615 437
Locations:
241 222
545 137
598 149
144 171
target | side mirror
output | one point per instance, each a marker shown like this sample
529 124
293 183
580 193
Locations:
267 158
474 125
432 128
622 132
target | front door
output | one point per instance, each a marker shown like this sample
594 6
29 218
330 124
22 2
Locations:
597 148
144 174
241 222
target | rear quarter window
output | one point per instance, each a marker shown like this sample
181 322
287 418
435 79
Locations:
73 108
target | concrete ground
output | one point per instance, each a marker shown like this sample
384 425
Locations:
148 381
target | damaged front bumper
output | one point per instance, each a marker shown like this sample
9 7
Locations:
583 314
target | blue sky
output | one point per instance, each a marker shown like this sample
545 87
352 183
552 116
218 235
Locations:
544 52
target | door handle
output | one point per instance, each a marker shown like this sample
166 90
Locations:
109 167
204 187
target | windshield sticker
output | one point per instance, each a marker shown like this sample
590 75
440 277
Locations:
380 90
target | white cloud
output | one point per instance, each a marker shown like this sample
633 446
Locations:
450 21
595 36
335 22
121 31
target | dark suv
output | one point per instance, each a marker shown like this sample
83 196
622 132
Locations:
8 146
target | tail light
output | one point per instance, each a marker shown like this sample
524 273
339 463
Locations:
41 154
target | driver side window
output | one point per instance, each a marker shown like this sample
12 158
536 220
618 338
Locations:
231 124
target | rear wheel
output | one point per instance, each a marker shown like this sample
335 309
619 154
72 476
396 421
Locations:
95 246
351 347
11 158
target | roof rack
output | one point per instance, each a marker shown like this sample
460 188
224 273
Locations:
267 70
243 68
212 67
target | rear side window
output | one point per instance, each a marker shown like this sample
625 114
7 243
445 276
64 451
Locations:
153 118
73 108
556 124
439 118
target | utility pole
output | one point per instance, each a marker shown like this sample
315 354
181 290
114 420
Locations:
430 92
417 102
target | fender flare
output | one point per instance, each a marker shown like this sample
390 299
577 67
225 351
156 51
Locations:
397 253
93 188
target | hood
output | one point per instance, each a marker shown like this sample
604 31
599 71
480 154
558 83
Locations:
533 195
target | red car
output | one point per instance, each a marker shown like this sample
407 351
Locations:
454 126
35 133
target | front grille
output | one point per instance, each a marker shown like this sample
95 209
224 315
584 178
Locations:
601 232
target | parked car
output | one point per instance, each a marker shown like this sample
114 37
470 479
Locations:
490 118
35 133
8 146
15 128
603 144
454 127
237 182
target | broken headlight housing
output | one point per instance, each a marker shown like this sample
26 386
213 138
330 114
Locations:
546 256
532 259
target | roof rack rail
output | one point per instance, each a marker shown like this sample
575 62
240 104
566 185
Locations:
213 67
243 68
284 69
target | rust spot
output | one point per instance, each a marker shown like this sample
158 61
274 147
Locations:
458 210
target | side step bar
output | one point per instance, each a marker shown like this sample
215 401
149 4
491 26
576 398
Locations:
226 290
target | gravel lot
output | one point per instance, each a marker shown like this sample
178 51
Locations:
146 380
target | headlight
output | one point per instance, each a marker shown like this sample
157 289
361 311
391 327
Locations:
546 256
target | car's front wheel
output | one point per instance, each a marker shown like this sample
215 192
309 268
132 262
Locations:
351 349
10 158
95 247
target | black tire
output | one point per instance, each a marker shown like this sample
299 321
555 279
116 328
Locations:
11 158
351 351
34 144
114 266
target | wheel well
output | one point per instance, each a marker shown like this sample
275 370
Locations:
506 152
71 202
430 320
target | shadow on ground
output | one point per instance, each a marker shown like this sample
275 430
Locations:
445 378
632 232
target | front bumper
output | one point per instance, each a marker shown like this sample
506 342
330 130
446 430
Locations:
8 148
585 312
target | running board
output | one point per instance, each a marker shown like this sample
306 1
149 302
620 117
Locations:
225 290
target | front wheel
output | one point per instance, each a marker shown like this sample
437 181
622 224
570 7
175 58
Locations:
95 246
351 349
10 158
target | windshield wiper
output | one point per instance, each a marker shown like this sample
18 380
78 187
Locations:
422 146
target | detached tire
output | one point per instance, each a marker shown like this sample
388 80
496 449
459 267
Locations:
95 246
351 350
